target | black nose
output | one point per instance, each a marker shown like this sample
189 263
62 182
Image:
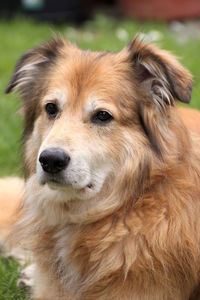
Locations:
54 160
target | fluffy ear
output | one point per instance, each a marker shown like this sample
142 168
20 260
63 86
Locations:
30 67
160 74
162 81
29 78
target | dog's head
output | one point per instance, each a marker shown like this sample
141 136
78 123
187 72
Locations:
91 115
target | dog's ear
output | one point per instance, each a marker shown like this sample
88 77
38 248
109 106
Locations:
30 67
161 80
159 73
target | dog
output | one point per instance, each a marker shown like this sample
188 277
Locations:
112 195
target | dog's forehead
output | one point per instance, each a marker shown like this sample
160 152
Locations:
79 74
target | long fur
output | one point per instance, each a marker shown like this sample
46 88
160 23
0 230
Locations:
138 236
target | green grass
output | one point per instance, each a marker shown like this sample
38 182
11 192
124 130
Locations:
102 33
9 273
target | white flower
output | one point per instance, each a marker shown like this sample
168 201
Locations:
122 34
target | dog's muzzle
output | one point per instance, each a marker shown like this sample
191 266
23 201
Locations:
54 160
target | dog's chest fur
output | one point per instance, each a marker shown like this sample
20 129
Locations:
85 262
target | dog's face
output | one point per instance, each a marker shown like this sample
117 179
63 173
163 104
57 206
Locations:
77 125
89 115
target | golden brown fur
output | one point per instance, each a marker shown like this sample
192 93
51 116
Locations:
191 118
137 236
10 198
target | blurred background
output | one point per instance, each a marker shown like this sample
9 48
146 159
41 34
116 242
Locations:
92 24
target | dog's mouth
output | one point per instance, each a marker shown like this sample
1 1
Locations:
79 186
56 184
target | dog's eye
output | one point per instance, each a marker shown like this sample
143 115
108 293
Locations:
51 109
102 117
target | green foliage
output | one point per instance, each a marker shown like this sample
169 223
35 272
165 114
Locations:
9 274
